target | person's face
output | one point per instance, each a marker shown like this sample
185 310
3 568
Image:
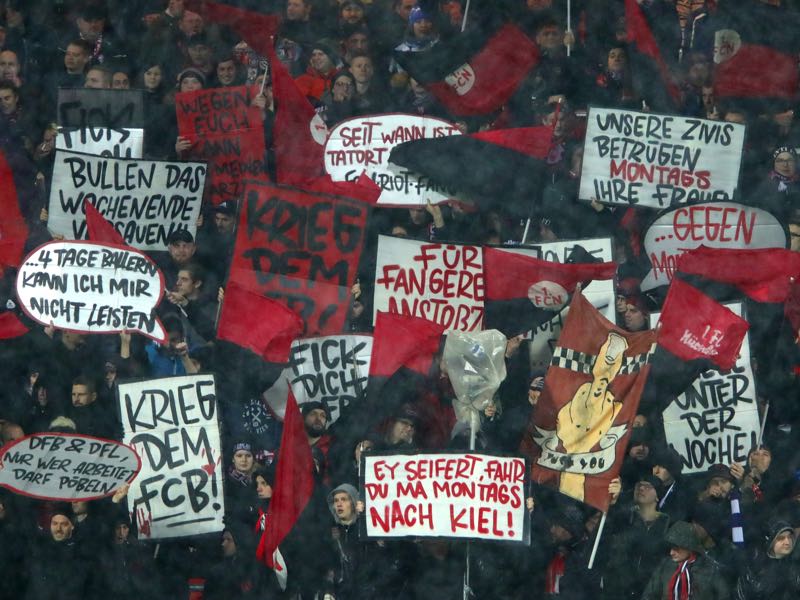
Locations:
228 545
635 319
357 42
263 489
181 252
343 506
320 61
90 29
342 89
121 532
679 554
760 459
644 493
80 507
404 8
191 84
663 474
9 66
417 215
96 80
549 37
120 81
153 77
399 231
785 164
640 421
361 68
41 396
719 487
223 222
82 396
61 528
175 7
561 122
783 544
191 23
422 28
352 14
75 59
174 338
794 237
639 451
243 461
707 95
616 60
735 117
559 534
8 102
315 421
402 431
72 340
199 54
226 72
185 285
297 10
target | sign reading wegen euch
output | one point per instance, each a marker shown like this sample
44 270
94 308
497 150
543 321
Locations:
145 200
172 424
654 160
716 419
448 495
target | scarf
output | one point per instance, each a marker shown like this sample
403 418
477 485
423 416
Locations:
783 181
680 584
554 572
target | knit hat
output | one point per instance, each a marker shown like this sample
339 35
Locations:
782 149
775 528
190 72
682 535
655 482
417 14
242 445
307 407
667 457
721 471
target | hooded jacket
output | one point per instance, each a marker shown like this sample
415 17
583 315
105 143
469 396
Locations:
768 577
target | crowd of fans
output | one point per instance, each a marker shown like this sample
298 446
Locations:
667 536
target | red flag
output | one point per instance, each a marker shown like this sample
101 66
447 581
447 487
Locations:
694 326
293 484
363 188
299 133
255 28
522 292
11 326
577 437
473 74
99 229
252 321
763 274
792 308
533 141
639 33
755 72
13 229
400 341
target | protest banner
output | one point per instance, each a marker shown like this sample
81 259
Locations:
716 419
447 495
332 369
439 282
302 249
66 466
79 108
365 143
145 200
714 225
648 159
172 423
227 133
102 141
600 293
91 288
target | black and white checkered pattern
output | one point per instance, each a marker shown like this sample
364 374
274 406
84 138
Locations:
581 362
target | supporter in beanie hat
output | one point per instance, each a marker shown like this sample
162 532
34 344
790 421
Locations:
190 80
667 467
771 572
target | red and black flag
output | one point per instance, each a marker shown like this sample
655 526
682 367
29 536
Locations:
255 28
577 437
522 292
755 50
13 229
476 72
694 326
99 229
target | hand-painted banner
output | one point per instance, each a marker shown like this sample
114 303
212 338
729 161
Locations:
714 225
172 423
66 466
364 144
79 108
302 249
599 293
102 141
439 282
648 159
91 288
227 132
716 419
145 200
332 369
448 495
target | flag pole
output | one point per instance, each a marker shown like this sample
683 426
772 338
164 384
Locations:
474 422
569 25
464 20
600 528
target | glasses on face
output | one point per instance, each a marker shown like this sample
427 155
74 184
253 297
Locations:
784 161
